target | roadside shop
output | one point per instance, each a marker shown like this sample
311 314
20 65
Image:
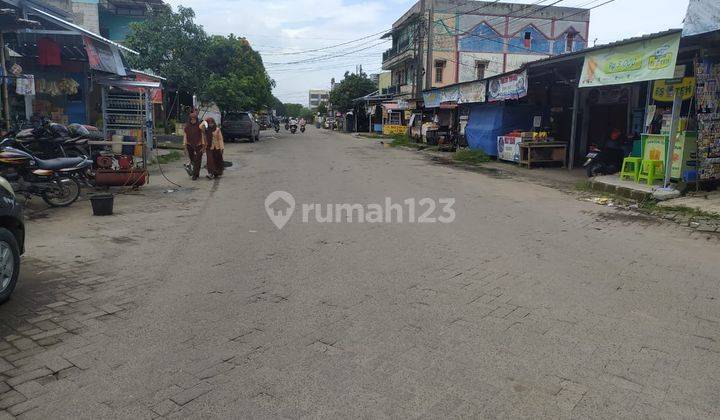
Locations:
51 67
447 111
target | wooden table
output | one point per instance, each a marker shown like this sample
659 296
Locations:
533 153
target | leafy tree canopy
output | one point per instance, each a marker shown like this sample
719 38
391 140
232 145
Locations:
223 70
237 79
172 45
353 86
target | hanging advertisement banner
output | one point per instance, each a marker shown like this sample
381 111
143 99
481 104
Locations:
435 97
104 57
472 92
664 90
513 86
465 93
651 59
702 16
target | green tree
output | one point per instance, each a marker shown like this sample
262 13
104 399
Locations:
294 110
278 106
172 45
352 87
322 109
236 77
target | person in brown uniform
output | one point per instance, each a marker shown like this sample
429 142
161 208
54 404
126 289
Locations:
214 148
194 143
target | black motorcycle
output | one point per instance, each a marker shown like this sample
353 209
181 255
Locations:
606 161
55 180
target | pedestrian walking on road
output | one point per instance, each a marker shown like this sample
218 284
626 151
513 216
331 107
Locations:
194 143
215 145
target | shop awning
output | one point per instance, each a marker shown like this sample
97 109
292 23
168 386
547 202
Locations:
395 106
73 27
129 84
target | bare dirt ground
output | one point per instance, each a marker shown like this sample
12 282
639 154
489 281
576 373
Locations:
192 303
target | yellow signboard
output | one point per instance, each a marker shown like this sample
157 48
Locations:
394 129
648 59
655 146
665 92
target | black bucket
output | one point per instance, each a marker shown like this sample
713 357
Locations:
102 204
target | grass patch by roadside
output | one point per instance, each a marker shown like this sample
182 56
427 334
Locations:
165 159
403 140
690 212
473 157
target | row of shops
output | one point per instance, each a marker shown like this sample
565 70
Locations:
54 69
660 91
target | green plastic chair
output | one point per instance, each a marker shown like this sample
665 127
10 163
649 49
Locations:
631 168
652 170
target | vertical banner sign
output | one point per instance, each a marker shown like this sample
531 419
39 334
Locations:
513 86
104 57
652 59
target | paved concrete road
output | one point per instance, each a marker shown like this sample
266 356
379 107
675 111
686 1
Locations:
531 304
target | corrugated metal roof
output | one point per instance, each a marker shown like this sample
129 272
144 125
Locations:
80 29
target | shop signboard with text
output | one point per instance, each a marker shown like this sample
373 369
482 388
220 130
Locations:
393 129
512 86
472 92
435 97
509 148
651 59
655 146
664 90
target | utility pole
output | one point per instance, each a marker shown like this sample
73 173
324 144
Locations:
6 98
430 35
419 56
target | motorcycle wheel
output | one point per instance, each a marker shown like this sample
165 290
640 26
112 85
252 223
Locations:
64 192
9 263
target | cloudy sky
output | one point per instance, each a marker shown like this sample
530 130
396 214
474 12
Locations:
284 30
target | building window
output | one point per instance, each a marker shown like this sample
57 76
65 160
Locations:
439 70
527 41
480 67
569 41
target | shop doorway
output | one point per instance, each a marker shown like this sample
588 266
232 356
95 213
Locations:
604 119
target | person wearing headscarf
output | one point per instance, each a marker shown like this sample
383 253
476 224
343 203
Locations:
215 145
194 142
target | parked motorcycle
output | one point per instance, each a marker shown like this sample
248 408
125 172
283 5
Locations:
603 161
54 180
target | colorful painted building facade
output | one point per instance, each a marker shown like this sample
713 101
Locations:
479 39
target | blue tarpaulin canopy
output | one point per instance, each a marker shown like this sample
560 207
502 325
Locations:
490 120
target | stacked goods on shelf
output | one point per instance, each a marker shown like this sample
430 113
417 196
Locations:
708 115
125 111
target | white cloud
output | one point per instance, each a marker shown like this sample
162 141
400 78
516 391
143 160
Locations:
283 26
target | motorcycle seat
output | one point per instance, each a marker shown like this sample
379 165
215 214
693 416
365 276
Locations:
59 163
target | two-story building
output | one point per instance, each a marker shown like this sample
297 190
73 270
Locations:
473 40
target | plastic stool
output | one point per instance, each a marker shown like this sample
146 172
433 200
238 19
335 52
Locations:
652 170
634 163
